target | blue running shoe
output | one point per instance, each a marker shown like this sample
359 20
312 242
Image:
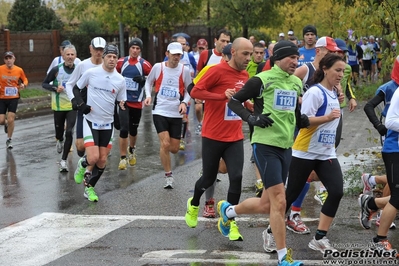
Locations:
224 222
288 261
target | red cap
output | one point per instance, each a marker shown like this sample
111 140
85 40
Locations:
395 70
202 43
328 43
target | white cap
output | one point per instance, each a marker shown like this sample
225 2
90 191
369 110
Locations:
98 42
281 34
175 48
371 37
290 32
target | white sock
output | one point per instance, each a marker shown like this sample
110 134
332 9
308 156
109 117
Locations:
230 212
281 253
322 188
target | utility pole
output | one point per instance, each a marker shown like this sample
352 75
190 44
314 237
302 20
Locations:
121 37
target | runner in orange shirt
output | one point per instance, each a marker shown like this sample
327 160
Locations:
12 80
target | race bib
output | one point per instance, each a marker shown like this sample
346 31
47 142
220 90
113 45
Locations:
131 85
284 100
98 126
230 115
327 138
352 58
168 92
10 91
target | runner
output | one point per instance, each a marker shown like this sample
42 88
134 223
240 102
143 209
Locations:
134 69
314 147
222 135
55 82
271 141
104 86
12 80
171 79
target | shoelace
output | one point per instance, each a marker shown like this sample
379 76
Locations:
288 257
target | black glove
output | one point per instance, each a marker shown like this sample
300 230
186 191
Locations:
381 129
262 120
303 121
75 105
84 108
140 80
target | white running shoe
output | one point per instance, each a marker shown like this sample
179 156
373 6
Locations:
269 245
63 166
321 245
169 182
367 188
60 146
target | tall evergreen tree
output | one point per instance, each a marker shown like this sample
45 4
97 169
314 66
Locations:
32 15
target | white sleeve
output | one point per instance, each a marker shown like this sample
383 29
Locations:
72 81
392 119
84 79
53 64
311 101
122 96
187 81
151 78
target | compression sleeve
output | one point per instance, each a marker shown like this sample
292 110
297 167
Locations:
251 89
349 91
78 96
51 76
371 105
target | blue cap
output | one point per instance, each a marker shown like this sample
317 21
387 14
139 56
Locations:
227 50
65 43
341 44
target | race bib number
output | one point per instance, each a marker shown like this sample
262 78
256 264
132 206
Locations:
352 58
98 126
230 115
284 100
131 85
168 92
327 138
10 91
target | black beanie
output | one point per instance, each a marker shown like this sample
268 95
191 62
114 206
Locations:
309 28
136 41
284 49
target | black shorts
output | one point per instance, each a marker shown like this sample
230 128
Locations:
355 69
95 137
9 105
172 125
366 64
273 163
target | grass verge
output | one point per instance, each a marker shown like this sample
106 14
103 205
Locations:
33 92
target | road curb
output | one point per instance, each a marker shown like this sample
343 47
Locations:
33 107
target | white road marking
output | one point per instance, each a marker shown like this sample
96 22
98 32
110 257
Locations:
49 236
228 257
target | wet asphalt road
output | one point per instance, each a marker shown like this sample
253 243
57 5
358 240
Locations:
150 226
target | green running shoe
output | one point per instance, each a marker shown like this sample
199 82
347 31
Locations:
80 171
90 194
234 234
191 214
